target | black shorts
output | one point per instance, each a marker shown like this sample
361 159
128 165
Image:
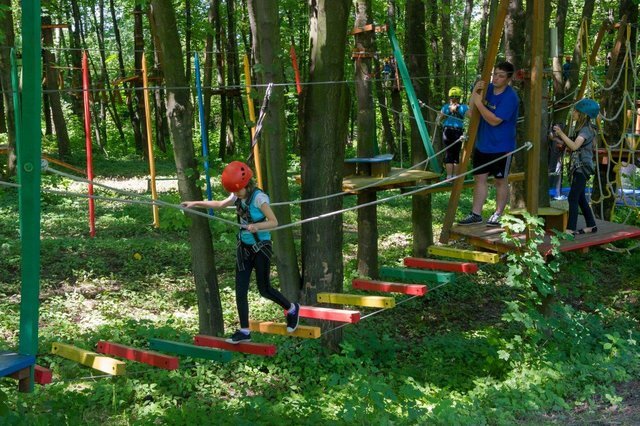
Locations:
499 169
452 139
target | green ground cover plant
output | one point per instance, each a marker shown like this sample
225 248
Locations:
480 351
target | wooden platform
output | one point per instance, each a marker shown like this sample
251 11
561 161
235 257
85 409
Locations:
398 178
489 238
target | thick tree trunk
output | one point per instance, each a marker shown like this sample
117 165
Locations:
447 40
421 214
464 42
366 119
159 107
324 131
179 111
76 36
208 66
52 75
224 113
138 50
6 29
263 15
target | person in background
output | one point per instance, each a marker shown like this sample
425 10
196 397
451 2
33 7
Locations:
582 166
453 129
253 250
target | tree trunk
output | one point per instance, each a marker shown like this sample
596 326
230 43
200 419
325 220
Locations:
159 107
76 36
179 111
52 75
208 66
324 131
6 29
421 214
447 40
138 50
464 43
366 119
561 21
224 113
232 76
263 16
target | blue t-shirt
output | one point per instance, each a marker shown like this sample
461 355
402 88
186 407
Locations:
500 138
256 215
454 119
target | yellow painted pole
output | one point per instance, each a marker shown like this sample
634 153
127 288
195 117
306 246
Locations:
252 117
152 163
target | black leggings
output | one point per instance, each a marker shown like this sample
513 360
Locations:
577 198
262 263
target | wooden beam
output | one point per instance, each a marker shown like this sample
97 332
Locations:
267 327
155 359
89 359
329 314
190 350
490 57
441 265
592 57
478 256
43 376
419 275
244 347
357 300
373 285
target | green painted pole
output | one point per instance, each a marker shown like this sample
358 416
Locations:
413 100
30 151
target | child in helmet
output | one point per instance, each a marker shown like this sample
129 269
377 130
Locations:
452 129
254 244
582 166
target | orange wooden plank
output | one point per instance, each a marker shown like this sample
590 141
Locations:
244 347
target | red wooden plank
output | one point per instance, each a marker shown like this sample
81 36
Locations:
441 265
43 375
245 347
372 285
148 357
329 314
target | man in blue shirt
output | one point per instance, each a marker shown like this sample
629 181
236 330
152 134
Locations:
496 139
453 129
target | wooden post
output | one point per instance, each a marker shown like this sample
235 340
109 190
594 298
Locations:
494 44
535 112
152 161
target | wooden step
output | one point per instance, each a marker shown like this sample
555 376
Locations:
329 314
244 347
155 359
478 256
89 359
190 350
419 275
268 327
441 265
357 300
389 287
42 376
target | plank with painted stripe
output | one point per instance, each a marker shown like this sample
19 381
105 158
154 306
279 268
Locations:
190 350
417 275
477 256
244 347
268 327
357 300
441 265
90 359
389 287
155 359
329 314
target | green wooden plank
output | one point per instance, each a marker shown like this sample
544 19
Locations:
190 350
418 275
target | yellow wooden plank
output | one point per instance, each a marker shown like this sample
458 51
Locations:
268 327
478 256
357 300
90 359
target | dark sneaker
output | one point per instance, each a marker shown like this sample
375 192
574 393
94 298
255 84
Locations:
293 319
239 337
472 219
494 220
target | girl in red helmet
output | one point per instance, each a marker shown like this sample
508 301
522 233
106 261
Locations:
254 244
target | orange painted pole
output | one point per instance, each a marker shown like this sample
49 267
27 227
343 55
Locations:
252 117
296 70
87 136
152 163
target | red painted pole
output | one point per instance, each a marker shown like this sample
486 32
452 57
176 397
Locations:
87 135
294 62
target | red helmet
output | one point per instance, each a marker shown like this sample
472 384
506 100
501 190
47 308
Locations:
236 176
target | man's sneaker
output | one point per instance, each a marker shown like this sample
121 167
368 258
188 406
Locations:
494 220
472 219
239 337
293 319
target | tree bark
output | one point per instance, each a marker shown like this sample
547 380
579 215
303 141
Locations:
159 107
324 131
421 214
6 29
464 42
263 16
138 50
179 111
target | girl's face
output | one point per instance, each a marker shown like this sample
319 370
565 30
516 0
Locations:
575 115
241 193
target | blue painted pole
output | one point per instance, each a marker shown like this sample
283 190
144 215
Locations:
203 130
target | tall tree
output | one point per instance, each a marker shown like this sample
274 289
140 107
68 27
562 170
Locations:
265 28
461 59
7 38
447 40
421 214
180 113
324 132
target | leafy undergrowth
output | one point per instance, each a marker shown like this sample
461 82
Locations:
447 358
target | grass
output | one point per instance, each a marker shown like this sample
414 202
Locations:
447 358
